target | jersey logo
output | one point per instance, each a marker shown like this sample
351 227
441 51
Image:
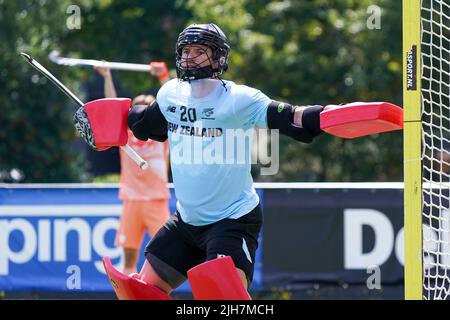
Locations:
171 109
207 113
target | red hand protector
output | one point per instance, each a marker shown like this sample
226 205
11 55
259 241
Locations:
108 120
360 119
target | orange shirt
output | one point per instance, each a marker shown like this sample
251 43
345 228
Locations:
150 184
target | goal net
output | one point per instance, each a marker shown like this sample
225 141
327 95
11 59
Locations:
435 125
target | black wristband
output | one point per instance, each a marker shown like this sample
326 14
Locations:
280 116
311 119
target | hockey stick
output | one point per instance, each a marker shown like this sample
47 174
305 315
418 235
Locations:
55 57
347 121
128 150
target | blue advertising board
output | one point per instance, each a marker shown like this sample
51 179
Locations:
53 238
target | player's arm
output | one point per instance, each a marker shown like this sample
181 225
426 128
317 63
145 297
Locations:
299 123
148 122
109 89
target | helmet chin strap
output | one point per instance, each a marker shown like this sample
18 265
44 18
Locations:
199 73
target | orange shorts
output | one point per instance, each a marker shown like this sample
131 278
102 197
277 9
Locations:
138 216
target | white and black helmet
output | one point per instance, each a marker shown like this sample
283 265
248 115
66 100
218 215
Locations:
211 36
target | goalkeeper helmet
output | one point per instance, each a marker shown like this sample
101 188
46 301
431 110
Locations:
208 35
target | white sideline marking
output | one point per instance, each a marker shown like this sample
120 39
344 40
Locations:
257 185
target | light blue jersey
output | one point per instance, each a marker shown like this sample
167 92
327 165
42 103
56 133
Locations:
210 130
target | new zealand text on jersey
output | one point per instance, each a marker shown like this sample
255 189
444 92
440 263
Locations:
194 131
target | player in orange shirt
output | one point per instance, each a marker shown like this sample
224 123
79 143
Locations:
144 192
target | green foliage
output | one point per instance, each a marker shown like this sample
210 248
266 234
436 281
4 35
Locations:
303 52
35 125
318 52
109 178
127 31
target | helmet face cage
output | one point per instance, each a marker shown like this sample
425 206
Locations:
208 35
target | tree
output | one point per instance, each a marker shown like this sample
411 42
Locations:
138 32
38 138
303 52
319 52
35 126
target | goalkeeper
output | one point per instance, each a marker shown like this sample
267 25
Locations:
218 217
218 212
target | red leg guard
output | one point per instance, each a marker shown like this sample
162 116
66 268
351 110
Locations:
128 288
217 279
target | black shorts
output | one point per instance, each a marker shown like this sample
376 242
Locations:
178 246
